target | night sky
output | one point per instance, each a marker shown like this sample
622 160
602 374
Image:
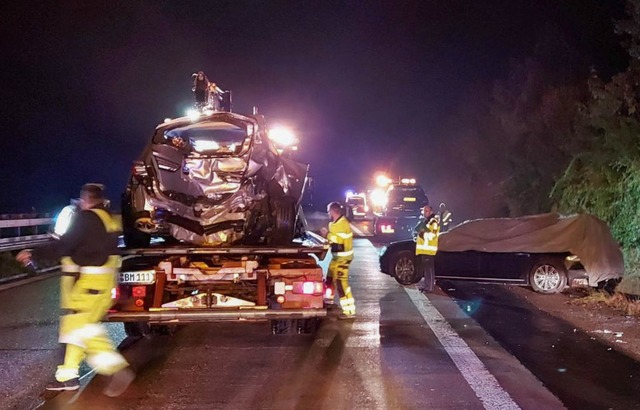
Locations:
367 85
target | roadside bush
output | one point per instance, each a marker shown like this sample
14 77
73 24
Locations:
9 266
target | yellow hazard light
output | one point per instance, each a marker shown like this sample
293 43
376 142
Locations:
280 299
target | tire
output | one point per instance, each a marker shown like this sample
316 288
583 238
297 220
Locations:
548 276
137 329
133 238
403 268
284 223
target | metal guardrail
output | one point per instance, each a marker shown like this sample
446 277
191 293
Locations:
21 231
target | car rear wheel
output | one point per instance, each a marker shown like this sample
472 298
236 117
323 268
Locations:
548 277
403 268
134 238
285 220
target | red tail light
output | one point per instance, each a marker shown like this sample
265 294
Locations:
139 291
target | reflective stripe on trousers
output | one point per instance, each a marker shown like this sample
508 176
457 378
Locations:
339 271
89 298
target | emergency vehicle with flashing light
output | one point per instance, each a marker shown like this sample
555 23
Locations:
402 205
356 206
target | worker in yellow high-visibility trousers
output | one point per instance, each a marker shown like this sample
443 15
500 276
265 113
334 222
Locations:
88 253
340 236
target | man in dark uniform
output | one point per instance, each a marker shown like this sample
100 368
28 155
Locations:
89 263
200 88
426 236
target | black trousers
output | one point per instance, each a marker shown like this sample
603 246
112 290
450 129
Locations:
201 95
426 265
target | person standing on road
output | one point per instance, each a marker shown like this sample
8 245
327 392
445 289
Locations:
340 236
89 264
426 236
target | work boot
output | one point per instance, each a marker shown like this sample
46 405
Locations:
346 316
71 384
119 382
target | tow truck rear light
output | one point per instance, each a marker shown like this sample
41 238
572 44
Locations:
308 288
280 299
139 302
139 291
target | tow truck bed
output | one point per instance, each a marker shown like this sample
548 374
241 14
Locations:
163 285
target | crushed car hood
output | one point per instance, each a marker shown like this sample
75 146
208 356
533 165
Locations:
583 235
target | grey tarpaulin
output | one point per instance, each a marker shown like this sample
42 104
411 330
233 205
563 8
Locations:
583 235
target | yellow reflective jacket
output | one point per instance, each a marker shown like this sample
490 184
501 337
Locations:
427 243
341 238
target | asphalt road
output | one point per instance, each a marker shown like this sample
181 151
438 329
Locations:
400 353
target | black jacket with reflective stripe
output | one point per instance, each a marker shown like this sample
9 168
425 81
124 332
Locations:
87 242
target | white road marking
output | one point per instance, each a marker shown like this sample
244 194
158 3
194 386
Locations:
483 383
357 231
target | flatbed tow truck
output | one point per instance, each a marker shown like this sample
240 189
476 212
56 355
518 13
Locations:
162 287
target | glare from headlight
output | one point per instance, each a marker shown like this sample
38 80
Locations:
382 251
193 114
205 145
282 137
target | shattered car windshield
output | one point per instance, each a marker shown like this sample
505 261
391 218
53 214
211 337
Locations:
208 138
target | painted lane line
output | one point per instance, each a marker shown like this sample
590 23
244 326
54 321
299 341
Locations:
357 231
481 381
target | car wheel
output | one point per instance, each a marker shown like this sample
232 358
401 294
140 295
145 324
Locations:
548 277
133 238
403 268
285 220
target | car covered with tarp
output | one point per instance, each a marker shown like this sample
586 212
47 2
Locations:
538 250
582 235
213 179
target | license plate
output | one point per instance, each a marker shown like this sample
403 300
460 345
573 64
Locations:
139 276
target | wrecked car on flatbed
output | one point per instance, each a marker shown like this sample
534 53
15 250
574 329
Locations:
214 231
213 179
